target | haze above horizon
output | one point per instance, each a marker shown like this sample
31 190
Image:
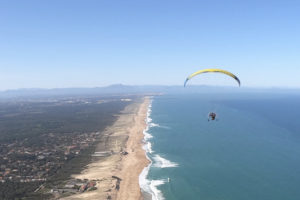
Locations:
72 43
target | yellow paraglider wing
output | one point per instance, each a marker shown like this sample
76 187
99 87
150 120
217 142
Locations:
212 70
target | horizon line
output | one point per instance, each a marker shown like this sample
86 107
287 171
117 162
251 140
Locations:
150 85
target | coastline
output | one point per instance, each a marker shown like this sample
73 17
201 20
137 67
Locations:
117 173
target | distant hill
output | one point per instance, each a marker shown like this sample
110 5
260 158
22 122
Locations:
120 89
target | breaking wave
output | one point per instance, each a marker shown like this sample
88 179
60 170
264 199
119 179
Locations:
151 186
161 162
156 193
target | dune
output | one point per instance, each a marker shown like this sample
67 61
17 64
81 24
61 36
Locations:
117 173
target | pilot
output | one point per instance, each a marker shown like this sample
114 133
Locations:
212 116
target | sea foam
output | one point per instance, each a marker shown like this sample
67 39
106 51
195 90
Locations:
161 162
151 186
156 193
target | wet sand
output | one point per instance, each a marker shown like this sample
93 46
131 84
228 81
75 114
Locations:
117 175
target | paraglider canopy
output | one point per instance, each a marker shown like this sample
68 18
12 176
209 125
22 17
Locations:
212 71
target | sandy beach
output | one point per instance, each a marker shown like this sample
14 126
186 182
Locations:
117 173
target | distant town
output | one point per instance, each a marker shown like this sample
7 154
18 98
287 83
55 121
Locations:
43 141
24 163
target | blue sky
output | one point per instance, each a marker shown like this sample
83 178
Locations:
72 43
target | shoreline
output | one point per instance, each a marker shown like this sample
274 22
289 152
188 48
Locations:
136 161
119 157
147 148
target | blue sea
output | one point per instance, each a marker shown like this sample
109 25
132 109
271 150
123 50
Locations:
251 152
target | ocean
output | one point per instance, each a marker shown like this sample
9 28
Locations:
251 152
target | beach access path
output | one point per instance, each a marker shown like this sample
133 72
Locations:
117 173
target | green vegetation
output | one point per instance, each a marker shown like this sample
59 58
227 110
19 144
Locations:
29 119
44 142
17 190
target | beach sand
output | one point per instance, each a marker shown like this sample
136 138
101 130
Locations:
117 175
